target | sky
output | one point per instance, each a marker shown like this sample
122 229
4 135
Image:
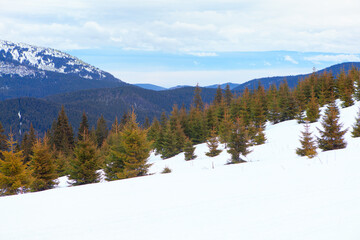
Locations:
170 43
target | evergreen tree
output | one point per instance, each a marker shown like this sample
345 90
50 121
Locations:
115 127
259 137
332 137
27 144
225 129
135 150
62 163
198 103
84 127
308 145
86 162
62 136
312 110
146 124
239 142
189 150
228 96
356 127
101 131
218 96
213 145
168 143
43 167
153 131
14 177
3 140
114 162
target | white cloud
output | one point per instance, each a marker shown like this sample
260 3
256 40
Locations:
333 58
290 59
204 54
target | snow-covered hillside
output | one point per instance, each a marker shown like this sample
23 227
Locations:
26 60
276 195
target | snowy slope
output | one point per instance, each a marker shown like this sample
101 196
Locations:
276 195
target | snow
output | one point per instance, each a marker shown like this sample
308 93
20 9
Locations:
276 195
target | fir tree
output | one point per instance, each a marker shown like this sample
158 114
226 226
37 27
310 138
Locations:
356 127
27 143
84 127
239 142
213 145
308 145
101 131
43 167
228 96
14 177
146 124
62 163
3 140
114 162
259 137
332 137
135 150
312 110
86 162
62 136
189 150
198 103
218 96
225 129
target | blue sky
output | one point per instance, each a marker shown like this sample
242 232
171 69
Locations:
177 42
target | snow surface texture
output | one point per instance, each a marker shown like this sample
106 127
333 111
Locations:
23 59
276 195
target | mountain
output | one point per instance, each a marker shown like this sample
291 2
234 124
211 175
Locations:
30 71
110 102
223 86
275 195
293 80
150 86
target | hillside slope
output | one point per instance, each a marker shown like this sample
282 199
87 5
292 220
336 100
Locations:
276 195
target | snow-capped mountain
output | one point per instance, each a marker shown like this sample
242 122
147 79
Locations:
54 68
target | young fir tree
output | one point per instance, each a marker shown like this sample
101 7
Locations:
27 143
225 129
228 96
14 177
189 150
332 137
135 150
3 140
213 145
114 162
62 163
356 127
197 101
83 128
239 142
43 167
62 136
101 131
218 96
85 163
168 143
259 137
308 144
312 110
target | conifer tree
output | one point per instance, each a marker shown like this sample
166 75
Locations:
27 143
14 177
189 150
85 163
101 131
115 128
62 136
62 163
84 127
213 145
259 137
308 145
3 140
198 103
312 110
146 124
218 96
43 167
135 150
332 137
239 142
356 127
168 143
225 129
228 96
153 132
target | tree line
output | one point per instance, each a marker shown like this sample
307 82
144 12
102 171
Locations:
236 120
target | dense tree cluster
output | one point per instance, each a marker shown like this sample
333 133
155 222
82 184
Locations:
236 120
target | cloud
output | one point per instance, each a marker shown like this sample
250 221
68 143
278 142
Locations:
204 54
333 58
290 59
